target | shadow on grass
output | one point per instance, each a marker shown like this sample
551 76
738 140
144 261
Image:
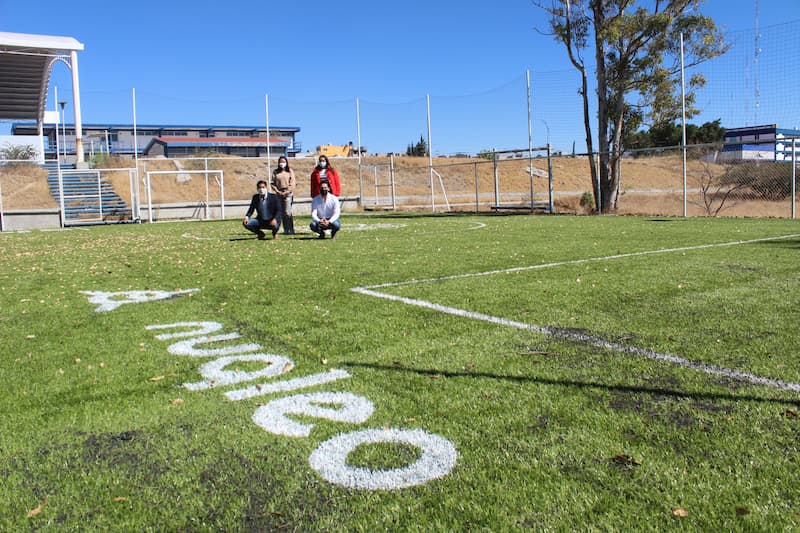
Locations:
660 391
793 243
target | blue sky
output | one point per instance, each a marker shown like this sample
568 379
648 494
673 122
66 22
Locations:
212 63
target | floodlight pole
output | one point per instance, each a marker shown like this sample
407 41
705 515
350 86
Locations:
136 160
530 133
266 110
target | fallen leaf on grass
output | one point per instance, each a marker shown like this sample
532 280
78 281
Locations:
37 510
288 366
157 378
791 414
176 401
324 361
625 460
30 336
742 511
120 499
680 511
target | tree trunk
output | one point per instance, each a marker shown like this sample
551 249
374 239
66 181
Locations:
602 196
615 157
589 142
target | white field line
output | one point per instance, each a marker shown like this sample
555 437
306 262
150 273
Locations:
348 227
579 337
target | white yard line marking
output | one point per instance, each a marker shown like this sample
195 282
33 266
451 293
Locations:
349 227
579 337
574 262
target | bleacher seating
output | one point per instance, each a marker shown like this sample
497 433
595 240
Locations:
81 201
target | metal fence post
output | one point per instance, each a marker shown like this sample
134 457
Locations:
550 178
208 199
496 179
794 176
391 177
477 193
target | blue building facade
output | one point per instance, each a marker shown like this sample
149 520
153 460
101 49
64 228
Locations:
759 143
165 140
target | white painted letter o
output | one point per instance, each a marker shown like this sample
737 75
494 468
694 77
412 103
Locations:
330 459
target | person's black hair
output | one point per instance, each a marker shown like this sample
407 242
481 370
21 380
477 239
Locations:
278 168
326 160
258 185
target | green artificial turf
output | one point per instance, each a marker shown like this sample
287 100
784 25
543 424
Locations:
552 433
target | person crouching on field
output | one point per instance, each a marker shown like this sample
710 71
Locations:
325 211
268 212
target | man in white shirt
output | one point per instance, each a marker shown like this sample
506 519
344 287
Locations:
325 211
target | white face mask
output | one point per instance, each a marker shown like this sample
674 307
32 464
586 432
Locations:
282 165
323 164
262 191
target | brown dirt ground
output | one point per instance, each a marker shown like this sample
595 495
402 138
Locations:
648 184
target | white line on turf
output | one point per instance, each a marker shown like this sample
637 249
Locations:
580 337
349 227
574 262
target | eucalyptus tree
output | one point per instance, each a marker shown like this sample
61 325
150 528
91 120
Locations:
634 48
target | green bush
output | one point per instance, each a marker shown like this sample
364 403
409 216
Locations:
24 152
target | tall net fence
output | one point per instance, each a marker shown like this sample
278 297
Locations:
752 84
652 182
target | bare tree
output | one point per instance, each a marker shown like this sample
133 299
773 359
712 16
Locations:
717 190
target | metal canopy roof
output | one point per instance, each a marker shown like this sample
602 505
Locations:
26 61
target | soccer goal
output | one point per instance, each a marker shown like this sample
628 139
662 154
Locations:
176 194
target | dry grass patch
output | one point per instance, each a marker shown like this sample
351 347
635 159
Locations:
24 186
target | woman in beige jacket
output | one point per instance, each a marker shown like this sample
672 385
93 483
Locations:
282 186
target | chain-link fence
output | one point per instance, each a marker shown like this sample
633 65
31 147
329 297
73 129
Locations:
651 182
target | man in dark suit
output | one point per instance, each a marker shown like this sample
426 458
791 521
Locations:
267 208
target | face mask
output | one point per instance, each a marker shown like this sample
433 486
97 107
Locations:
323 164
263 192
282 165
323 192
